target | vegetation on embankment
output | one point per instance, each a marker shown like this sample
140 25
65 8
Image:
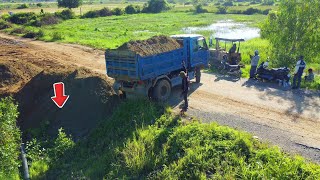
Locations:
144 140
9 140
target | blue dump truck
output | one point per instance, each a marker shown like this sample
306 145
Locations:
155 75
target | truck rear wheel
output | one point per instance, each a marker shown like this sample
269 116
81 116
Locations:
198 75
162 90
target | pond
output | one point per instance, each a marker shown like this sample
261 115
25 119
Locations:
227 29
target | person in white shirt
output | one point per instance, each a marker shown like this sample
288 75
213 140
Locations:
254 64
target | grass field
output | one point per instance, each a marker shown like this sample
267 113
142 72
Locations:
110 32
139 144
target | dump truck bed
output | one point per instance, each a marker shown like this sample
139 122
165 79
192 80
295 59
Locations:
129 66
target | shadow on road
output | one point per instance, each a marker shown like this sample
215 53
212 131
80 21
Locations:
301 99
220 77
175 98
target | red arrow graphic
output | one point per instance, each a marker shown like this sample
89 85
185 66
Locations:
59 97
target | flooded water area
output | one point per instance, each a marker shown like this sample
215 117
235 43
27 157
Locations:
227 29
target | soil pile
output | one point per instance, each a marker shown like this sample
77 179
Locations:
91 99
152 46
29 74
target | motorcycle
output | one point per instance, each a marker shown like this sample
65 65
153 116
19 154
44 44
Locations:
226 68
280 75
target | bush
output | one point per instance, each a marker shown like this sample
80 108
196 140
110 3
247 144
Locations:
130 9
40 33
4 25
48 19
30 34
23 6
57 36
39 4
9 138
69 3
18 31
117 11
105 12
65 14
200 9
251 11
266 12
156 6
91 14
23 18
222 10
5 17
61 145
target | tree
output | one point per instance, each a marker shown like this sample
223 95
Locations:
294 31
69 3
156 6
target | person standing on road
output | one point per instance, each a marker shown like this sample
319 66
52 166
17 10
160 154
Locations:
185 90
254 64
300 66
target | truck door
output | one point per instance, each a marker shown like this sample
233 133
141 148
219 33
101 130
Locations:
199 52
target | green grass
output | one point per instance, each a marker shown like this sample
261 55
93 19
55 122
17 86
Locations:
139 144
110 32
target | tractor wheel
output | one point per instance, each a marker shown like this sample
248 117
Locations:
198 75
162 90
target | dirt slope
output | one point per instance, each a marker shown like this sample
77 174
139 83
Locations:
28 72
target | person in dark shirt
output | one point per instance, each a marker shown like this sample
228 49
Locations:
233 49
185 90
300 66
232 57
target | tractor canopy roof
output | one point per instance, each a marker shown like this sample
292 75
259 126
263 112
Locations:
229 40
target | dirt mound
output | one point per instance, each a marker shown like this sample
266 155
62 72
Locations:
154 45
14 74
28 73
91 99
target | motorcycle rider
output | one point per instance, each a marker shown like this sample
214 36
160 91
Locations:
300 66
254 64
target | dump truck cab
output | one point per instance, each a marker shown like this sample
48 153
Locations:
155 75
196 47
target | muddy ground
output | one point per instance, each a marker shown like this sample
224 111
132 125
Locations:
289 119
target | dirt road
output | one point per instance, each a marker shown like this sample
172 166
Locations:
285 118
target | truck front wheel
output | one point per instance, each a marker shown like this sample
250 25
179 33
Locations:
198 75
162 90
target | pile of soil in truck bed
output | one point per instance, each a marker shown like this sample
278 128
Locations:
151 46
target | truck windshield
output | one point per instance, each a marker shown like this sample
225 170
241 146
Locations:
202 44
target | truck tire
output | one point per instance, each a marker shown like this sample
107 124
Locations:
162 90
198 75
